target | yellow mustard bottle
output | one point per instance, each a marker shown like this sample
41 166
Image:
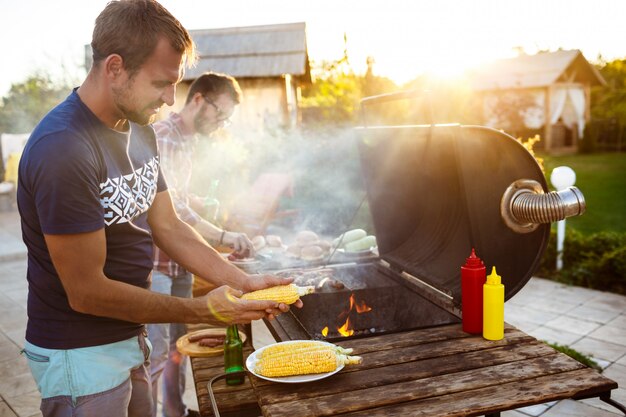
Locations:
493 307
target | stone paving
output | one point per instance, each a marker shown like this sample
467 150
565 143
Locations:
592 322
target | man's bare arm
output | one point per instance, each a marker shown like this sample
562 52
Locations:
79 261
183 244
187 247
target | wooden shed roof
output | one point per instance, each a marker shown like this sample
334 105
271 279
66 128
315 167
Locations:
540 70
252 51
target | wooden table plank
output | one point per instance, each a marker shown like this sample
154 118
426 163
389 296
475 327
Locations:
391 394
573 384
432 350
238 404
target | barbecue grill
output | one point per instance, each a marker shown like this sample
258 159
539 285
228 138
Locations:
435 192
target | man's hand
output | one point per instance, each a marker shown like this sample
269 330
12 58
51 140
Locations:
240 243
259 282
195 202
225 307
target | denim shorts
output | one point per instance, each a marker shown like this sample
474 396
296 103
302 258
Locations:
74 376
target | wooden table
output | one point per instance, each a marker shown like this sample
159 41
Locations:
439 371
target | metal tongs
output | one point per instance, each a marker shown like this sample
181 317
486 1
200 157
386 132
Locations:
335 247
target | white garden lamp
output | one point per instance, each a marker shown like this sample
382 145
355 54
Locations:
562 177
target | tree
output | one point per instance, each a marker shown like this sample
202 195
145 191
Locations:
333 96
610 101
509 109
28 101
607 129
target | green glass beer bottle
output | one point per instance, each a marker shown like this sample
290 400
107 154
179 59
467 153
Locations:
233 355
211 203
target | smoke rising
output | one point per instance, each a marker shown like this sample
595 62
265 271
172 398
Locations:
324 166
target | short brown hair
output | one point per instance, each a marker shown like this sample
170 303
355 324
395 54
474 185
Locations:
213 84
132 28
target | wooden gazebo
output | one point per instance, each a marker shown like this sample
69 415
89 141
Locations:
556 89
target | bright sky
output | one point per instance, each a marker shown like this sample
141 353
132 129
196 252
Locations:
406 37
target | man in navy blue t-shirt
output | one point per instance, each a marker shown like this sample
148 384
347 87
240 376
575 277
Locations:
92 202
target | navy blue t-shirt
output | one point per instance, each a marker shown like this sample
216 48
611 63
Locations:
76 175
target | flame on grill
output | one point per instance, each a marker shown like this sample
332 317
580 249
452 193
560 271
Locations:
347 329
362 308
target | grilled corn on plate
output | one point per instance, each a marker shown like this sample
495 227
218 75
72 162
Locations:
302 358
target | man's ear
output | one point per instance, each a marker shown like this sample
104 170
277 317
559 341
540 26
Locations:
198 99
114 66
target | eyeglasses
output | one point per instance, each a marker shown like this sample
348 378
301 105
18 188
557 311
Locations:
220 113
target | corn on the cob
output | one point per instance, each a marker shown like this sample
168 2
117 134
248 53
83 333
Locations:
287 294
302 359
282 349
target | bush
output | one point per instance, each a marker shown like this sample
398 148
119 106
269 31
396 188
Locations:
595 261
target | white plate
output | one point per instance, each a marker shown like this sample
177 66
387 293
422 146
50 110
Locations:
296 379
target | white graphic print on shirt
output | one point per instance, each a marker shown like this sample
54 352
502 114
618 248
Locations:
125 197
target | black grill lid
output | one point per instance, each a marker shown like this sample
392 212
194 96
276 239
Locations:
434 194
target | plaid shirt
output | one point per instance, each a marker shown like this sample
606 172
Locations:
176 146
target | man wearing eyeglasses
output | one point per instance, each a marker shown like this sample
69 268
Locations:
210 103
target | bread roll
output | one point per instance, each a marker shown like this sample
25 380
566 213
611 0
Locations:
258 242
273 241
313 252
306 237
324 244
294 250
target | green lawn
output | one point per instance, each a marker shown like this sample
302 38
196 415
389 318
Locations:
602 179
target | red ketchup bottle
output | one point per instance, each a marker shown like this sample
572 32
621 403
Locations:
473 276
